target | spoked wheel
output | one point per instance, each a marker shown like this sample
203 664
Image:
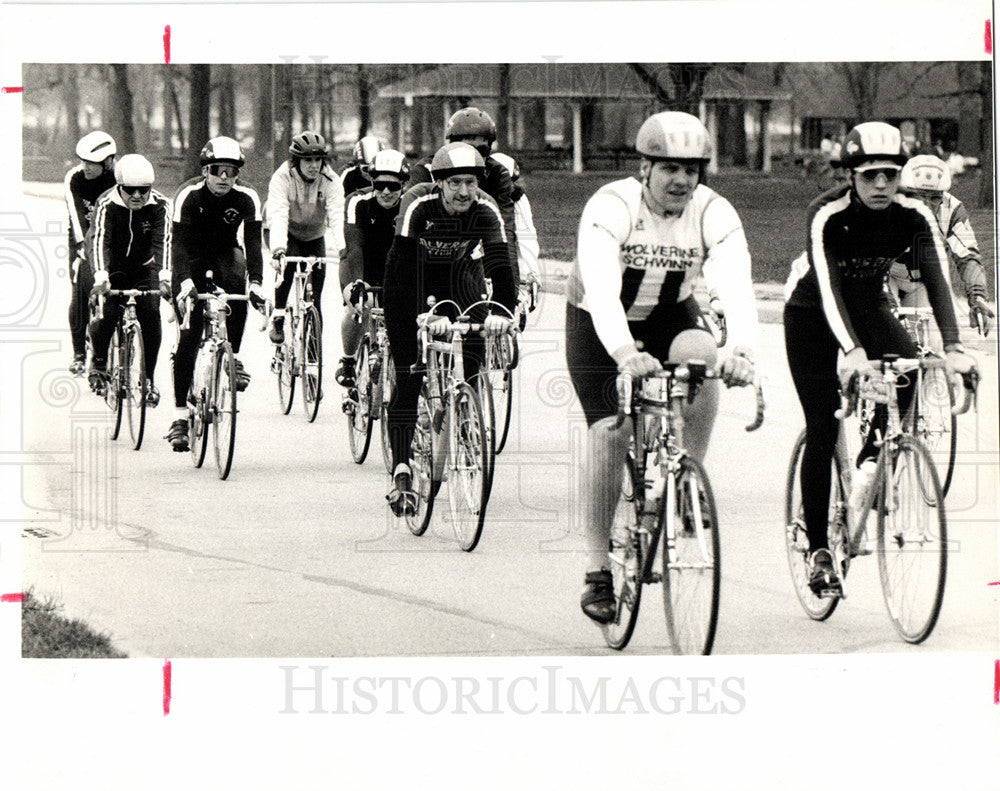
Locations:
935 425
223 411
796 540
198 427
467 470
134 390
113 391
501 384
388 386
421 462
625 563
359 406
284 367
485 393
912 541
312 363
691 561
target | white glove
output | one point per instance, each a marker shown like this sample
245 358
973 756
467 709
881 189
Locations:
165 289
101 283
854 362
436 325
496 325
257 298
959 360
187 289
278 259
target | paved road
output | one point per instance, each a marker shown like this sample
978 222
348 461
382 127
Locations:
296 554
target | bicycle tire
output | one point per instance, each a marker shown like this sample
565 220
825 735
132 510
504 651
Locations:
912 531
467 466
359 417
223 409
113 387
425 483
485 394
312 363
388 377
935 426
796 540
692 568
284 360
626 562
134 391
198 420
503 393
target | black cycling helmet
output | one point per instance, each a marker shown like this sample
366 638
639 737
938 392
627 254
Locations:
471 122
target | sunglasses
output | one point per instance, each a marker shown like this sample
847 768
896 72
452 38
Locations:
135 190
392 186
891 174
224 170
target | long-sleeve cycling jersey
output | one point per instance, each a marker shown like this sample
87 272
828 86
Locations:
631 260
368 232
304 209
444 255
527 237
205 228
129 244
953 220
354 179
850 249
81 196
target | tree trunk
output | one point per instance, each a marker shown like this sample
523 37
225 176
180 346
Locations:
282 112
71 98
503 110
121 109
201 75
227 101
364 102
263 125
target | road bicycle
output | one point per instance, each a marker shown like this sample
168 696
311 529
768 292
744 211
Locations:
452 440
300 354
933 419
715 319
911 531
374 380
126 389
666 499
212 395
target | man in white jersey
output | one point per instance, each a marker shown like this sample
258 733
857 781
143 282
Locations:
641 246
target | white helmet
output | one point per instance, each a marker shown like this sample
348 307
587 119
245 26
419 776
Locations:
134 170
926 172
389 162
673 135
96 147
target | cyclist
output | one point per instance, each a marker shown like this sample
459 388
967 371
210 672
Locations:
475 127
835 301
368 234
928 178
84 185
208 213
129 243
355 176
305 209
524 227
641 246
440 231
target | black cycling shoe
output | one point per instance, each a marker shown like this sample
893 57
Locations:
242 377
402 499
178 436
598 599
98 378
345 372
79 365
823 577
152 395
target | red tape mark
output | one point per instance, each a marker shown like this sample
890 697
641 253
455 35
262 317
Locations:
12 89
166 688
988 37
166 44
996 682
16 598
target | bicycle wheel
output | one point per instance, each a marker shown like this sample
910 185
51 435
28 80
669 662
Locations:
388 385
467 466
485 394
312 363
626 564
284 367
503 393
134 385
223 410
113 391
912 540
422 465
359 407
197 424
935 425
796 540
691 561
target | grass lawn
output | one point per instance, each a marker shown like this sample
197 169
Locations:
45 634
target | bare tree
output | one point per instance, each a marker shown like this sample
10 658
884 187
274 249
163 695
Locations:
120 107
71 98
201 76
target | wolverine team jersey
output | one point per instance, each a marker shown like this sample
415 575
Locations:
81 197
368 233
206 226
126 242
850 250
631 261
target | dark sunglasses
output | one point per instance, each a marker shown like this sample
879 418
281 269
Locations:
224 170
136 190
392 186
891 174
